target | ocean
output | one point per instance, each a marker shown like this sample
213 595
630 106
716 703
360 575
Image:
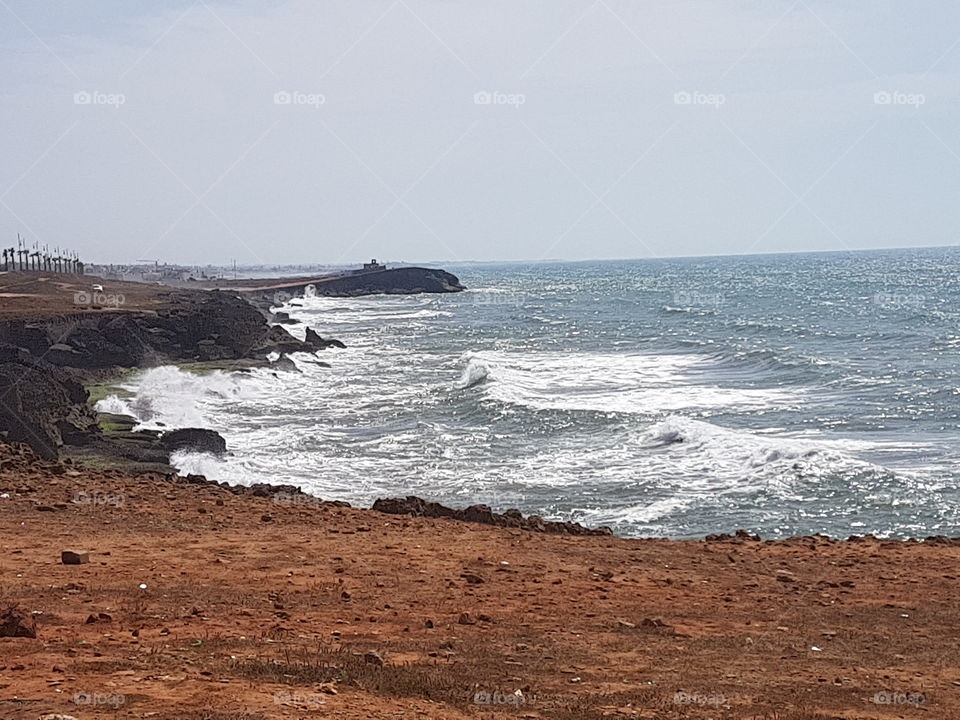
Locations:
782 394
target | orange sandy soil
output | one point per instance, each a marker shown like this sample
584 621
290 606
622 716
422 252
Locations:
247 617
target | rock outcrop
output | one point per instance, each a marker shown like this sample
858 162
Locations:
196 326
395 281
418 507
43 364
194 440
41 405
318 343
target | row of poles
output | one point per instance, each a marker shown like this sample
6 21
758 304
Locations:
40 259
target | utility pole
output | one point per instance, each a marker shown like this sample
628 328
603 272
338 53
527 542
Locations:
21 251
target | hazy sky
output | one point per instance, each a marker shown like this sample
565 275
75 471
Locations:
320 131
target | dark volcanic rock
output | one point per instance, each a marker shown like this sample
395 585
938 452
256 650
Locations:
15 623
194 440
280 341
412 505
283 318
284 364
316 342
43 405
396 281
44 402
197 325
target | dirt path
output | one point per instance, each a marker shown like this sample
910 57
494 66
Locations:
254 608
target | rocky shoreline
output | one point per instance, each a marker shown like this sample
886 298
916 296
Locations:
55 340
45 365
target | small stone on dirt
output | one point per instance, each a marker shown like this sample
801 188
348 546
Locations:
74 557
373 658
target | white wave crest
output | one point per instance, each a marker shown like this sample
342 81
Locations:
114 405
473 374
737 453
615 382
168 397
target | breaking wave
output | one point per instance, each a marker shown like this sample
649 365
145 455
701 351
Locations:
614 382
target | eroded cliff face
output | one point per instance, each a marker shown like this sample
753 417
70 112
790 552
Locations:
193 326
43 364
41 405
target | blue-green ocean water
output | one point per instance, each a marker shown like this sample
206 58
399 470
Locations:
785 394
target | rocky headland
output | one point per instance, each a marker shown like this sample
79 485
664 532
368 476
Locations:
57 337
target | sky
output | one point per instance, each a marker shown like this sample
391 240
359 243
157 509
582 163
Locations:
332 131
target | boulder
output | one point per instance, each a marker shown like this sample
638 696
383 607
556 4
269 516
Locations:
74 557
194 440
283 318
373 658
284 364
15 623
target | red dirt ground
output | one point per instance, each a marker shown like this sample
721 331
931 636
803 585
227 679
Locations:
256 609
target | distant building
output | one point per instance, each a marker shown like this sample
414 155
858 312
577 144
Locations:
373 265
